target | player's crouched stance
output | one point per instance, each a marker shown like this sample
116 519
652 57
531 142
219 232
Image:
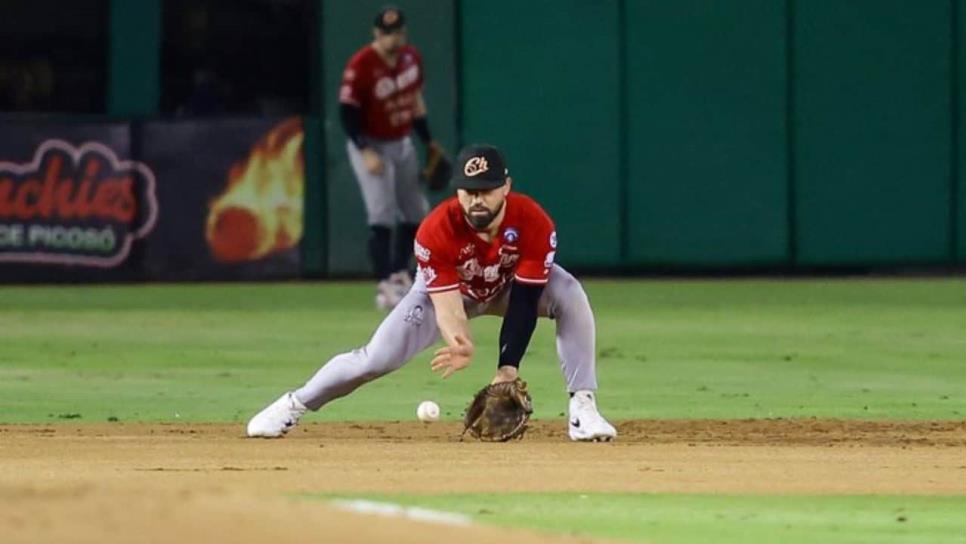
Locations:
486 252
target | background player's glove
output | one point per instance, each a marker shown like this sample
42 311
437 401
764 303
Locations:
438 167
373 162
499 412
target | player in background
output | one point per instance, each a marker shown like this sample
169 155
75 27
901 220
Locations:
381 102
488 251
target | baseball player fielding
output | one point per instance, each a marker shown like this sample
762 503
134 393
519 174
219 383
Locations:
487 251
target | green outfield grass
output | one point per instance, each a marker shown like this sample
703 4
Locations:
871 349
714 519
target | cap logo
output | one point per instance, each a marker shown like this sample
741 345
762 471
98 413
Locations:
390 17
475 166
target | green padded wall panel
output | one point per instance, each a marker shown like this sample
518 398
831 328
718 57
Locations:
707 148
872 131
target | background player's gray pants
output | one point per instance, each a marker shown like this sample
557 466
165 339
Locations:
411 328
396 195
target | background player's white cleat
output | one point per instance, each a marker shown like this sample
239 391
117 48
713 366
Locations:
277 418
387 295
586 423
402 281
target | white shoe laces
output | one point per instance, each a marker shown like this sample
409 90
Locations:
294 405
584 403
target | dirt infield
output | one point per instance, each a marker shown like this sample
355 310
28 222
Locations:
120 482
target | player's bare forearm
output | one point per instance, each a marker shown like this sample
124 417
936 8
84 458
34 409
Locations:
451 316
454 327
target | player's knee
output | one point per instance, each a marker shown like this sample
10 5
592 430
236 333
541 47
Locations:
566 282
382 217
377 362
568 291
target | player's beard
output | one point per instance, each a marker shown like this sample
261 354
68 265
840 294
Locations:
482 221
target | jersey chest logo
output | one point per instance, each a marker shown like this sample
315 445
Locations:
491 273
509 260
386 85
470 269
384 88
473 269
508 256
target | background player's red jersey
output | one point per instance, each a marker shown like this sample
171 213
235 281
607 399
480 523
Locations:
452 256
386 95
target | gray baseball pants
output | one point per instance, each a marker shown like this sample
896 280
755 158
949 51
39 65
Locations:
395 195
411 328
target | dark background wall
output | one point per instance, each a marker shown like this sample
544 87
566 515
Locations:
660 134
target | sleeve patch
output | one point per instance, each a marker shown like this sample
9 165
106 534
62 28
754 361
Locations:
429 274
421 252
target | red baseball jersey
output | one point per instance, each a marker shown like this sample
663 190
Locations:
387 95
451 255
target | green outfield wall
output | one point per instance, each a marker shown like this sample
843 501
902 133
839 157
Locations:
958 186
707 125
872 131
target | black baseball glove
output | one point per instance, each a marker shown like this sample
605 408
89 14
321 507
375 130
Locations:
438 169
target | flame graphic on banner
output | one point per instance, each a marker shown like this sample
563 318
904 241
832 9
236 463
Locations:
260 211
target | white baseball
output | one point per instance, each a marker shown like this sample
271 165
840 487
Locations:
428 411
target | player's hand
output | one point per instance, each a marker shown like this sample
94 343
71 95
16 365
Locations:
373 161
506 373
449 359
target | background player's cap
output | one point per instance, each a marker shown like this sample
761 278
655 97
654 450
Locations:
390 19
479 167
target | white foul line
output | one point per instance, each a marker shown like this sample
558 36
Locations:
393 510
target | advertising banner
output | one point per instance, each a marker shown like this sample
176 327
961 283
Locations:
231 192
73 205
178 200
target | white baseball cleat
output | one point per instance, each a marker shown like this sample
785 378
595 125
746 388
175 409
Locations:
402 282
586 423
387 295
277 418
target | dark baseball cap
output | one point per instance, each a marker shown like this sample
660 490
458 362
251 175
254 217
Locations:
479 167
389 19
